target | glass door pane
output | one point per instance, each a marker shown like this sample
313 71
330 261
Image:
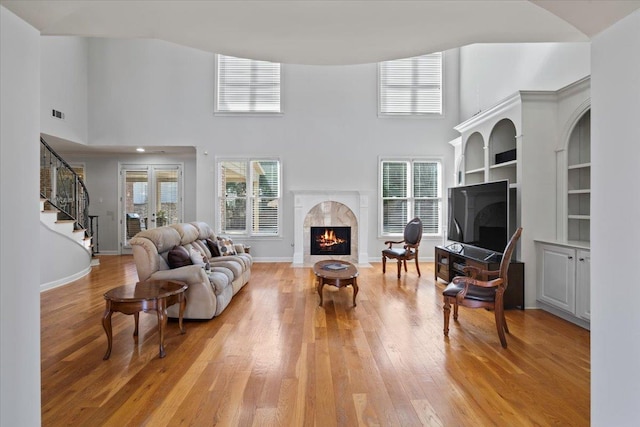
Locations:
152 197
136 202
167 207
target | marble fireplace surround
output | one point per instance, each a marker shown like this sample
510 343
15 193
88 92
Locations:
330 208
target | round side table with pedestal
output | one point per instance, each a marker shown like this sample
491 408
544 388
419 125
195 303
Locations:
152 295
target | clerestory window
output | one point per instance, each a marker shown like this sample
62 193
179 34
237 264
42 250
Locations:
411 86
247 86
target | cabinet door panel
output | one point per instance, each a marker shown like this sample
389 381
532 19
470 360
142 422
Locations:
583 285
557 273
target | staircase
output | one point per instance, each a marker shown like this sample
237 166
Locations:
64 220
66 227
64 199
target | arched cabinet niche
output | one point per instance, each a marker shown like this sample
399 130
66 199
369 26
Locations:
474 159
579 180
502 152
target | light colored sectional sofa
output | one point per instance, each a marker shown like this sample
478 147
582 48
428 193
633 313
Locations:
210 289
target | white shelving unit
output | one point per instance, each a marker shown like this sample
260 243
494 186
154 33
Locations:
474 162
549 179
579 181
487 134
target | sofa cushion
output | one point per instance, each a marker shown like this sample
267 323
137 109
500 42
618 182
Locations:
178 257
226 247
204 229
163 238
230 262
219 280
188 232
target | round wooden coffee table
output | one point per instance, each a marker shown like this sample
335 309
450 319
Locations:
152 295
338 274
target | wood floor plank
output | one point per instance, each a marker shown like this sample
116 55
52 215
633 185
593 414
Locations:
276 358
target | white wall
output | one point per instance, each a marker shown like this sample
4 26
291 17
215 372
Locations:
19 173
65 259
615 209
492 72
151 92
101 179
64 87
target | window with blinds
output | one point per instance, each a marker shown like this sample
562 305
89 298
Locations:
249 197
411 86
247 86
410 188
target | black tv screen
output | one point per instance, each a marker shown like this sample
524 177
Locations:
479 215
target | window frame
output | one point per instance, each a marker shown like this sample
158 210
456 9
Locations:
411 205
413 113
216 90
249 198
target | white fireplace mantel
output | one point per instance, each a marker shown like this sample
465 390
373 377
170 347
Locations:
305 200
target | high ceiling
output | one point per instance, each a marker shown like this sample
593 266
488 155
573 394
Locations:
319 32
326 32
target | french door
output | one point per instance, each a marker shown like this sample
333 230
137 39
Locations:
151 196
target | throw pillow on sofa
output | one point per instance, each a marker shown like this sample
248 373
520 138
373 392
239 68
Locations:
213 248
226 247
198 258
178 257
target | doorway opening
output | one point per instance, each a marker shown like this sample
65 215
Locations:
151 196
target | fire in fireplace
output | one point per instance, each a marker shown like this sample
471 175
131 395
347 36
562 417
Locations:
330 240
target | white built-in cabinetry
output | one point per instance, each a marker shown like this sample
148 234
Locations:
549 182
564 281
579 181
564 263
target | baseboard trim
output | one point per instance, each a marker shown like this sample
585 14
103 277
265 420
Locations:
565 316
272 259
65 280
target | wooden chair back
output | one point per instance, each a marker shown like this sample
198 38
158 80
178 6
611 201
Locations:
413 233
506 257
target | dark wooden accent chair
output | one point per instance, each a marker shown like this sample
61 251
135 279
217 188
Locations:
412 237
476 291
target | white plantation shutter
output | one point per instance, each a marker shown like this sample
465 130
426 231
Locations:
266 197
249 194
247 86
426 194
409 189
232 196
411 86
394 196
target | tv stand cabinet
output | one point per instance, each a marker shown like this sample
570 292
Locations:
450 261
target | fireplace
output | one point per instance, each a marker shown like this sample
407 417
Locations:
330 209
327 240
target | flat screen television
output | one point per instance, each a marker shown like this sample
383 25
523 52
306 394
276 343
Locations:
479 215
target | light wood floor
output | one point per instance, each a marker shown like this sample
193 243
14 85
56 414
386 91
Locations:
274 358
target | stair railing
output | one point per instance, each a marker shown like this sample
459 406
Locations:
63 188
